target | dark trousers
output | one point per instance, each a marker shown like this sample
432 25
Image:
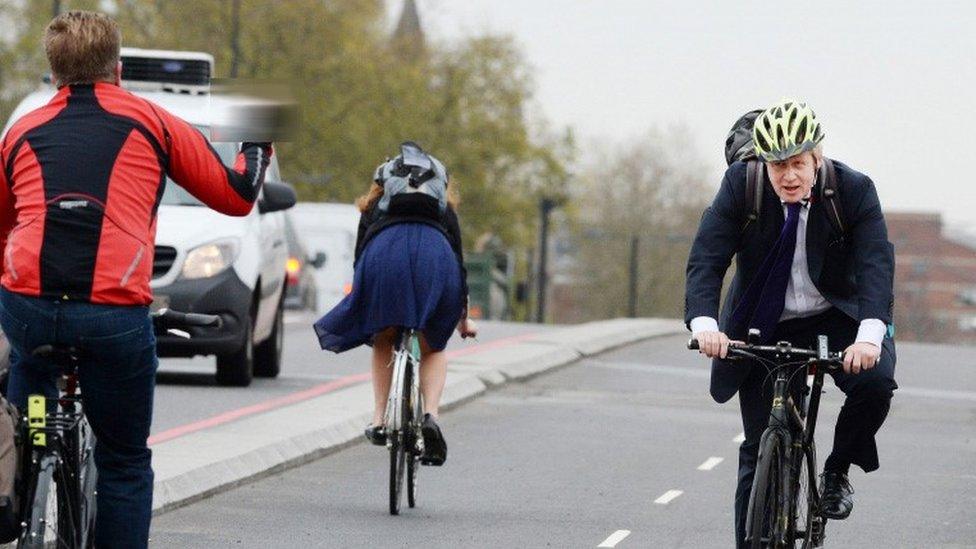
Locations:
117 377
865 408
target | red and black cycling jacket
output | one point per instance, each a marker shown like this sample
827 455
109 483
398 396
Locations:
80 182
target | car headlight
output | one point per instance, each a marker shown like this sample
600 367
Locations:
210 259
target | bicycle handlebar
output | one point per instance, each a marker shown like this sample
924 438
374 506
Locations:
780 348
166 319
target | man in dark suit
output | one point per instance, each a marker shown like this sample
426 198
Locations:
797 276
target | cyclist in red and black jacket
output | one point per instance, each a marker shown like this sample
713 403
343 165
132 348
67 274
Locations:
81 179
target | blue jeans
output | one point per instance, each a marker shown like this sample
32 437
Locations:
117 376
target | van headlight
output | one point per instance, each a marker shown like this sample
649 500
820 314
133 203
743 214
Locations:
210 259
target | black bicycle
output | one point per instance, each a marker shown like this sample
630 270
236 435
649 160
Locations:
58 464
784 506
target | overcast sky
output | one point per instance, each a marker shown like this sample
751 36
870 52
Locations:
892 82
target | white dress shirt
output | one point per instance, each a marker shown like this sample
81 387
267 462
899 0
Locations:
802 297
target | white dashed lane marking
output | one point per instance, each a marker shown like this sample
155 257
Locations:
710 463
615 538
668 497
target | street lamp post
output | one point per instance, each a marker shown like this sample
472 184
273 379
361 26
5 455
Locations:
632 293
546 205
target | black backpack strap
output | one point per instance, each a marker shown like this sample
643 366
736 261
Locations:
754 190
830 197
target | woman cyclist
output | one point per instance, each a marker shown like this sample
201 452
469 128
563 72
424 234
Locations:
409 273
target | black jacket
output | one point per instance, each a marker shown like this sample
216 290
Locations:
853 271
414 208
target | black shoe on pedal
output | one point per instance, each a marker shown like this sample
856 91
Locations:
837 496
435 447
376 434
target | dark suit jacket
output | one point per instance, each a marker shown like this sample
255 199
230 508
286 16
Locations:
853 271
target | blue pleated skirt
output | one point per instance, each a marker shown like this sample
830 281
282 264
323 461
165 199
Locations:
408 276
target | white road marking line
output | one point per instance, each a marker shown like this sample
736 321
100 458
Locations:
710 463
739 438
668 497
615 538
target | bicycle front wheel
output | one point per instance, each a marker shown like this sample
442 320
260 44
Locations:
765 502
48 523
803 500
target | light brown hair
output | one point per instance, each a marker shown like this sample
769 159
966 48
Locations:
82 47
375 192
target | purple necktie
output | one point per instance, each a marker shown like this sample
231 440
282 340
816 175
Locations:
762 304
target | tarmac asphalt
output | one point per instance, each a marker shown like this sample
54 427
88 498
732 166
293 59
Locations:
623 449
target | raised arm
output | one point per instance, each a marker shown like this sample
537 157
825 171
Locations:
195 166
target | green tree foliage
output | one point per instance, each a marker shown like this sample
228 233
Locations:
360 92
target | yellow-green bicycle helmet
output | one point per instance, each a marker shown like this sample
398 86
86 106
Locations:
786 129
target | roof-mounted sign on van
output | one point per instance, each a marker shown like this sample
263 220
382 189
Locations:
186 72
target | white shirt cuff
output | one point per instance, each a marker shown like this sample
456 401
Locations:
871 330
701 324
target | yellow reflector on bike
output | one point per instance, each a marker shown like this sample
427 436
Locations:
37 419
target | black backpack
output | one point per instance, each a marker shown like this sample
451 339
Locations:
738 146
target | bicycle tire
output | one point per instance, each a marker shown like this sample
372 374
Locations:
397 466
413 460
88 481
802 499
765 501
399 437
39 532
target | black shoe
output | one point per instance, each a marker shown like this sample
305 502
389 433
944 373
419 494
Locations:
435 447
837 496
376 434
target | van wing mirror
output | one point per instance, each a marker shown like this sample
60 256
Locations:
276 197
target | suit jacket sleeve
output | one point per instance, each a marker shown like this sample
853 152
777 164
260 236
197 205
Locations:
711 253
874 257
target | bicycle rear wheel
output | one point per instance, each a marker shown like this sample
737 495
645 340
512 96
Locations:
87 481
765 503
413 459
400 440
48 523
397 467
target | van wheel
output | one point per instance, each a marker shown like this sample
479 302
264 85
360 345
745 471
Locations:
267 355
237 369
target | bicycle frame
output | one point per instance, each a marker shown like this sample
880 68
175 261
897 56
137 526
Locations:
54 438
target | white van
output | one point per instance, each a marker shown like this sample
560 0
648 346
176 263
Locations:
205 261
329 228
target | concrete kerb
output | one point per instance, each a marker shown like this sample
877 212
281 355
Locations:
201 464
598 337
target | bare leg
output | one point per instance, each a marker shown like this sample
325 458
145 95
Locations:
433 374
382 372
